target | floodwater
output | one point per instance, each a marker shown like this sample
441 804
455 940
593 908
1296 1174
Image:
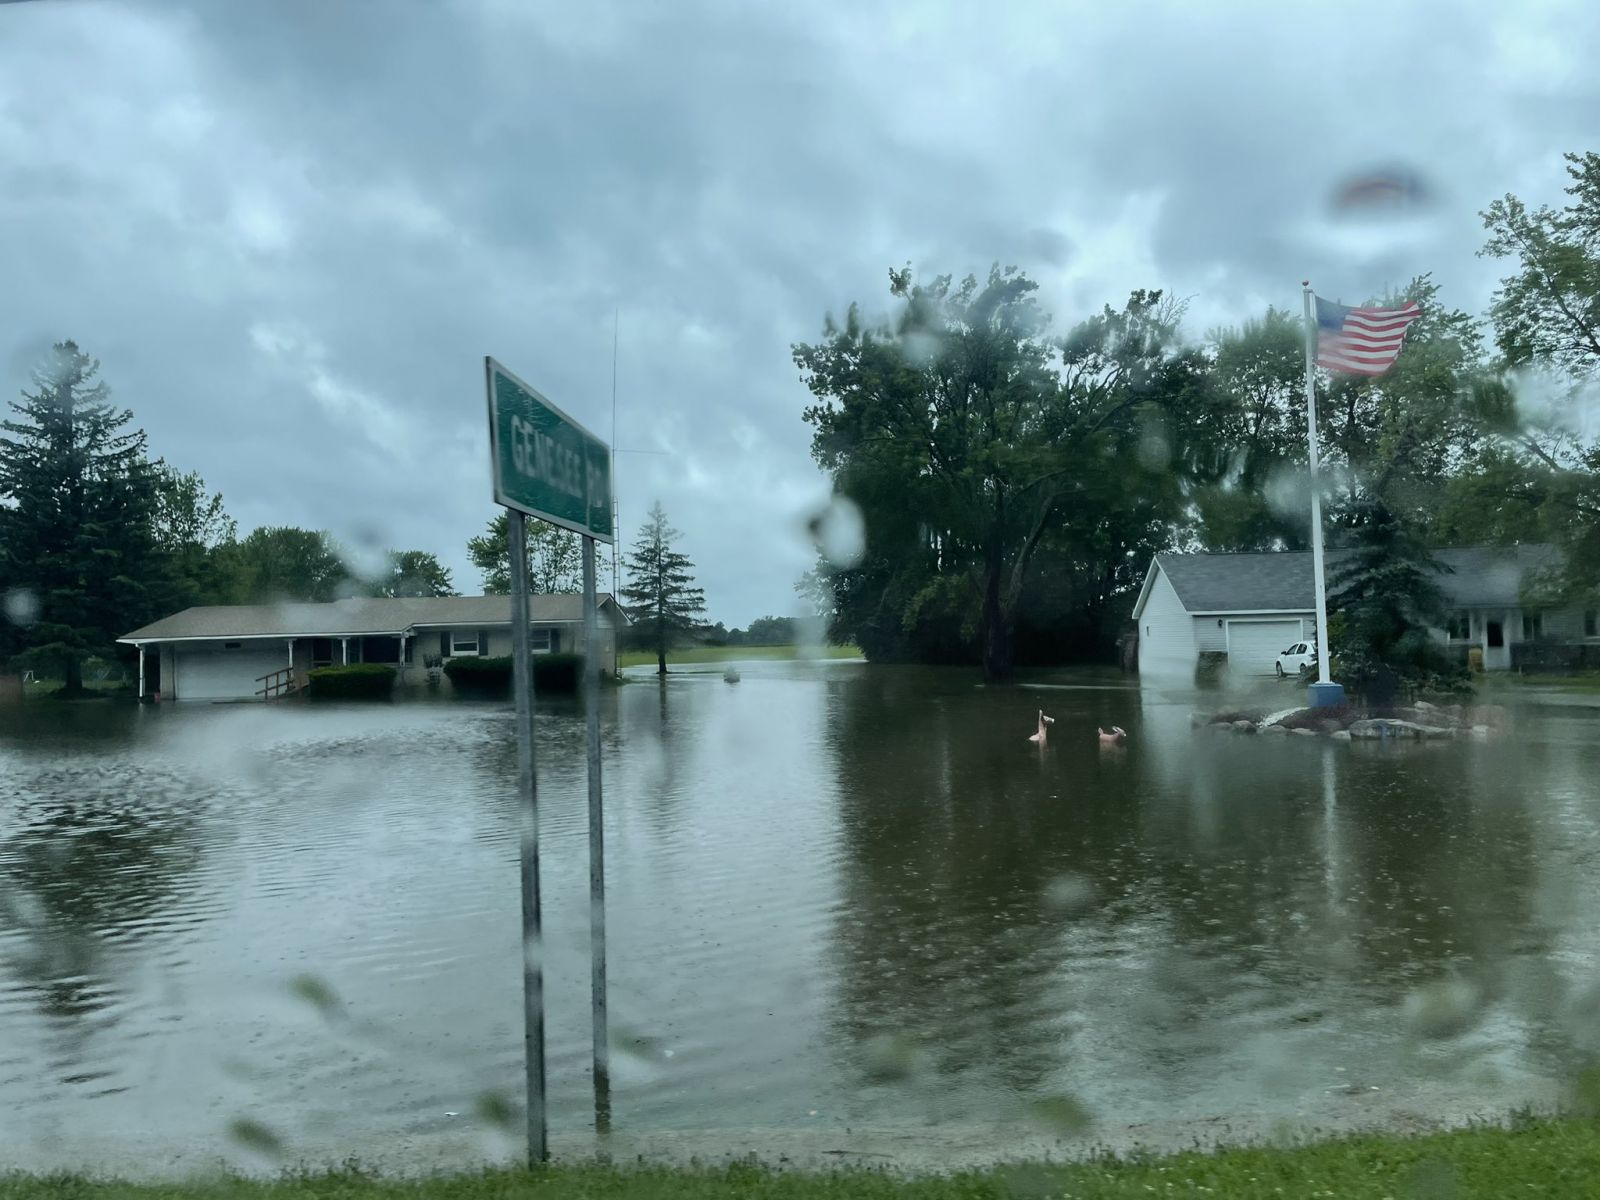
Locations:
841 897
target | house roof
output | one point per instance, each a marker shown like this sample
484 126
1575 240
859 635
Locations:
1280 581
359 616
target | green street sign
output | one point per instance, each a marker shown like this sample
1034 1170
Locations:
545 463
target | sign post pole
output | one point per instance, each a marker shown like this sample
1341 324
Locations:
528 810
597 843
546 465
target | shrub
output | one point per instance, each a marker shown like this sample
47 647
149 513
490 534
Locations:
557 672
358 681
480 676
492 676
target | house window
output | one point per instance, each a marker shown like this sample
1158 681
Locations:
463 641
539 640
1591 623
231 645
1460 626
1532 626
322 652
380 650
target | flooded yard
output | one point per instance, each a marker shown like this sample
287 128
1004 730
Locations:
841 897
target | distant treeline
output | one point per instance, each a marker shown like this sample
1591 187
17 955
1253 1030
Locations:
763 631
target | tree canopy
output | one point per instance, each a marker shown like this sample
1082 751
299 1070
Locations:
971 438
555 557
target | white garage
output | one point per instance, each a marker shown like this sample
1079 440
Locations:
227 672
1202 610
1254 645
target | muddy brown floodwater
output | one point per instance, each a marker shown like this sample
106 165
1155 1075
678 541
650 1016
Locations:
845 903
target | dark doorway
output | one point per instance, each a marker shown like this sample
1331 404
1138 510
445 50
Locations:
1496 635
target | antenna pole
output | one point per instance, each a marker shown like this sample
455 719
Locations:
616 507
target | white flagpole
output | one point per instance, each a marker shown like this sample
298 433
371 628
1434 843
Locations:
1316 488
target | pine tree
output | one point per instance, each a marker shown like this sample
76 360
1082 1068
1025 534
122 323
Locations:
665 603
1385 595
77 508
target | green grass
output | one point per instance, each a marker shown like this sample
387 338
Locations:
717 654
1532 1158
1582 681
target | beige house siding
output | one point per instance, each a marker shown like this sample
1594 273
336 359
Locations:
567 639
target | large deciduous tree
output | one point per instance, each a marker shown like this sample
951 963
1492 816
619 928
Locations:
411 573
282 562
1546 317
969 437
664 603
194 532
555 557
77 504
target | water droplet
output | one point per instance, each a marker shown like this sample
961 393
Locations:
20 606
493 1108
315 993
255 1136
1061 1114
1070 893
1443 1009
840 533
889 1057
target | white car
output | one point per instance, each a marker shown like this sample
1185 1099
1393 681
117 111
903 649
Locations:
1300 657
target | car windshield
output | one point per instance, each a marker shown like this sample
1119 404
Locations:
679 580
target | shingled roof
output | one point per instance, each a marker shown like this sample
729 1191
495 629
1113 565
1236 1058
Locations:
1280 581
358 616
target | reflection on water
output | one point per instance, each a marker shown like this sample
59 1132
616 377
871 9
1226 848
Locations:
838 896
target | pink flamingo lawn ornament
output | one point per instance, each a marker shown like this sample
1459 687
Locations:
1116 737
1040 736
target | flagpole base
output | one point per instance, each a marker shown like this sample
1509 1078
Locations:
1325 695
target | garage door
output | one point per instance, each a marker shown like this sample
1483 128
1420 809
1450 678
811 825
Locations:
225 674
1254 646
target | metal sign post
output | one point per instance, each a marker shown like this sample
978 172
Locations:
528 810
597 846
546 465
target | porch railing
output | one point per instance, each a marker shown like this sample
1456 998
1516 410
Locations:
278 684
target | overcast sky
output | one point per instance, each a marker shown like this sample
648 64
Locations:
291 231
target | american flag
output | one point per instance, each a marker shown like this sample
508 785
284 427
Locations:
1361 341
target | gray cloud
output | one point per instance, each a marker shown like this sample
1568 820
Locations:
291 232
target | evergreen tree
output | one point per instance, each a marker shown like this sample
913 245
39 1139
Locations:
77 545
1385 596
660 588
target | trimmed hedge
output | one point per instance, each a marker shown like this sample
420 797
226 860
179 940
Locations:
492 676
358 681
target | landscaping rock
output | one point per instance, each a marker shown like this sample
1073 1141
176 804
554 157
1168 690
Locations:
1340 735
1244 726
1278 729
1389 727
1304 732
